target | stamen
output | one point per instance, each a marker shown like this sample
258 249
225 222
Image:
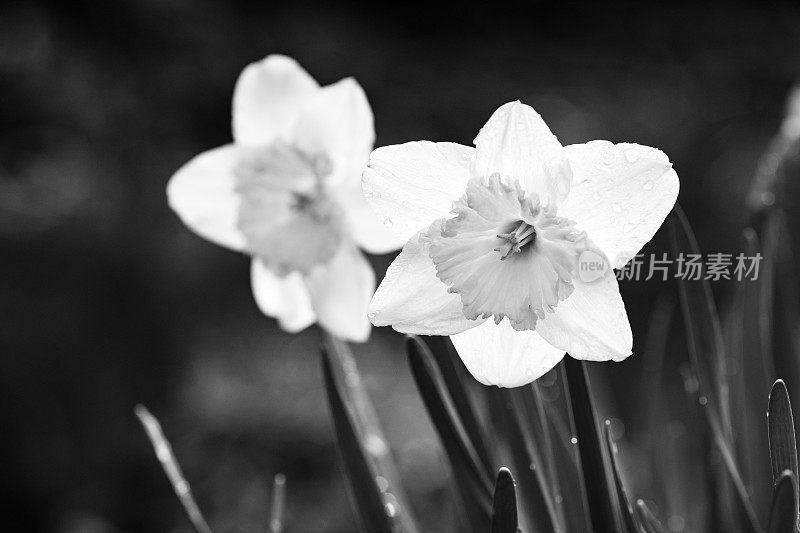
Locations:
543 250
516 240
284 201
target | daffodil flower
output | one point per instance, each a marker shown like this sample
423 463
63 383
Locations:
287 192
497 236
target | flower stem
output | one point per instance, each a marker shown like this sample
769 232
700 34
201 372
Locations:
278 503
171 467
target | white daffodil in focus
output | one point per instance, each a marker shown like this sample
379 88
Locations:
287 192
510 244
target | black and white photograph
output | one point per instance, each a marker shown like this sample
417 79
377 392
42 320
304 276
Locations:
353 267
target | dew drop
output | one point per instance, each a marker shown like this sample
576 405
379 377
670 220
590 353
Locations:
352 379
383 483
574 440
607 156
375 445
632 155
676 523
616 208
388 222
371 315
648 186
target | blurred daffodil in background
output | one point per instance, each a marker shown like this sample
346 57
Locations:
500 231
287 192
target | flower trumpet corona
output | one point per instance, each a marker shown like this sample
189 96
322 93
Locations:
510 245
287 192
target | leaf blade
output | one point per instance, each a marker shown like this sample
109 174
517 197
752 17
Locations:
603 507
630 519
704 336
473 486
354 425
504 504
783 514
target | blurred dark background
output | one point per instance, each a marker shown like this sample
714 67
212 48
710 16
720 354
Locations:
106 300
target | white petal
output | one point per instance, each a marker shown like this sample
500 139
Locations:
592 323
268 98
496 354
517 144
410 185
337 122
411 298
367 229
285 298
340 293
203 194
620 195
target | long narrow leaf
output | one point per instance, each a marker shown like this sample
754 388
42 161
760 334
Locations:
521 452
783 514
474 487
603 506
706 352
577 515
504 504
364 491
278 504
778 256
375 508
173 470
648 520
453 374
782 442
630 519
748 328
370 433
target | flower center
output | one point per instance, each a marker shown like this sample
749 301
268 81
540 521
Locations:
538 253
283 203
523 235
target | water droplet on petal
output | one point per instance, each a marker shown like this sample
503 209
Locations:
616 208
607 156
632 155
388 222
648 186
574 440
